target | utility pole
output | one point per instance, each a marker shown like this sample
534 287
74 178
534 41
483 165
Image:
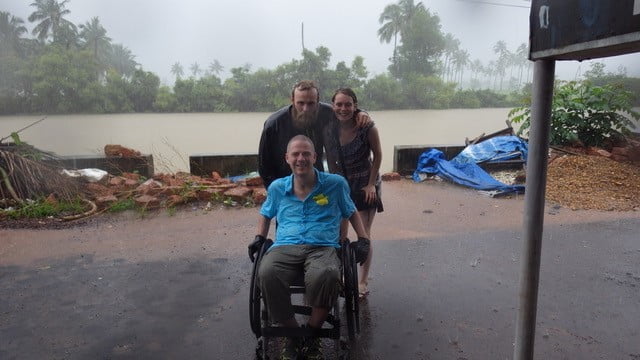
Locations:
303 36
541 101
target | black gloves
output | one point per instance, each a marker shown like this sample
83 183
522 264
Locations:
255 246
361 249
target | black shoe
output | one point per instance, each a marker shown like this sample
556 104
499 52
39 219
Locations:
290 349
313 349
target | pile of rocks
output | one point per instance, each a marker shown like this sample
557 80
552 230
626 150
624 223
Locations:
169 190
607 178
617 148
629 152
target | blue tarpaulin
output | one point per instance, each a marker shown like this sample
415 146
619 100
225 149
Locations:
239 178
495 149
433 162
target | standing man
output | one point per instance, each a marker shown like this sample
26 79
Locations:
309 206
305 116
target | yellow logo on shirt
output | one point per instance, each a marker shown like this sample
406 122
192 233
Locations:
321 199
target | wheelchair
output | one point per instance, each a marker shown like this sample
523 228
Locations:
265 330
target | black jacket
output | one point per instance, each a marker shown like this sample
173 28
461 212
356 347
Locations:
278 130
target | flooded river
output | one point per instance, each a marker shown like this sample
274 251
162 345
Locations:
172 138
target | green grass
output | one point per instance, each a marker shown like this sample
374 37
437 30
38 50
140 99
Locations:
217 198
122 205
142 211
171 210
41 209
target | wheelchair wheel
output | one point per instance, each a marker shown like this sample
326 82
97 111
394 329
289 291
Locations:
356 293
350 272
342 349
262 349
255 298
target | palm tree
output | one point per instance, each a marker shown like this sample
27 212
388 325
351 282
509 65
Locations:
409 9
50 14
95 37
490 71
395 19
460 60
476 68
177 70
522 54
501 69
391 21
500 48
195 69
451 46
11 31
122 60
67 35
215 67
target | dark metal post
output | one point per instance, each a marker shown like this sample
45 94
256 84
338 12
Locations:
542 95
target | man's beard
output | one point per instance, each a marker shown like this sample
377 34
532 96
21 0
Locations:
303 120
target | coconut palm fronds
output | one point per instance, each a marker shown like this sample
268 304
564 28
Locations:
24 149
29 151
22 178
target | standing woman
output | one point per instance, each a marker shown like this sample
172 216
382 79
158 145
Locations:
361 158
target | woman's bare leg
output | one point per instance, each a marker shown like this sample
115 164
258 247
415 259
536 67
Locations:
367 220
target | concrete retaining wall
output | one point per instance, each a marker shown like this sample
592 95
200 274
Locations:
405 157
225 165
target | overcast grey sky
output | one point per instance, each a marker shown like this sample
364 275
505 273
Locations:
266 33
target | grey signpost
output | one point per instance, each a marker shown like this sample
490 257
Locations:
560 30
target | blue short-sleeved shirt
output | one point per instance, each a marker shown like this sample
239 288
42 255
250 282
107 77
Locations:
314 220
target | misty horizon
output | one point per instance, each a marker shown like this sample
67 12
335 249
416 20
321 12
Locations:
267 35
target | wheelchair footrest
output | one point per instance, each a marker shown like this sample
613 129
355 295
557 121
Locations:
306 310
278 331
302 310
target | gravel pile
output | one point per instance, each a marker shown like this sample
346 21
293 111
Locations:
593 182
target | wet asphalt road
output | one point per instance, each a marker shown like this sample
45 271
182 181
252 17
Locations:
436 297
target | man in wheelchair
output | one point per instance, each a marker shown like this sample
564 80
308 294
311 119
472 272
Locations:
309 206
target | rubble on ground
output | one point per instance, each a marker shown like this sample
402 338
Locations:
511 176
593 182
391 176
169 190
116 150
578 178
596 178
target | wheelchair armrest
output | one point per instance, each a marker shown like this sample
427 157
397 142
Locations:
265 246
344 246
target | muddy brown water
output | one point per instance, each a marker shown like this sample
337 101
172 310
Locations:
172 138
444 283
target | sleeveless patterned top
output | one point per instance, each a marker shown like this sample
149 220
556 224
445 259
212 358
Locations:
357 162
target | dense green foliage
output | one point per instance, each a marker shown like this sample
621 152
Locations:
584 112
69 68
598 77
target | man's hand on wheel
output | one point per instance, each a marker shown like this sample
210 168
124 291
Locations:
361 249
255 246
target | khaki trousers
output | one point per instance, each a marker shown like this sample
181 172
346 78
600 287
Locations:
284 265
